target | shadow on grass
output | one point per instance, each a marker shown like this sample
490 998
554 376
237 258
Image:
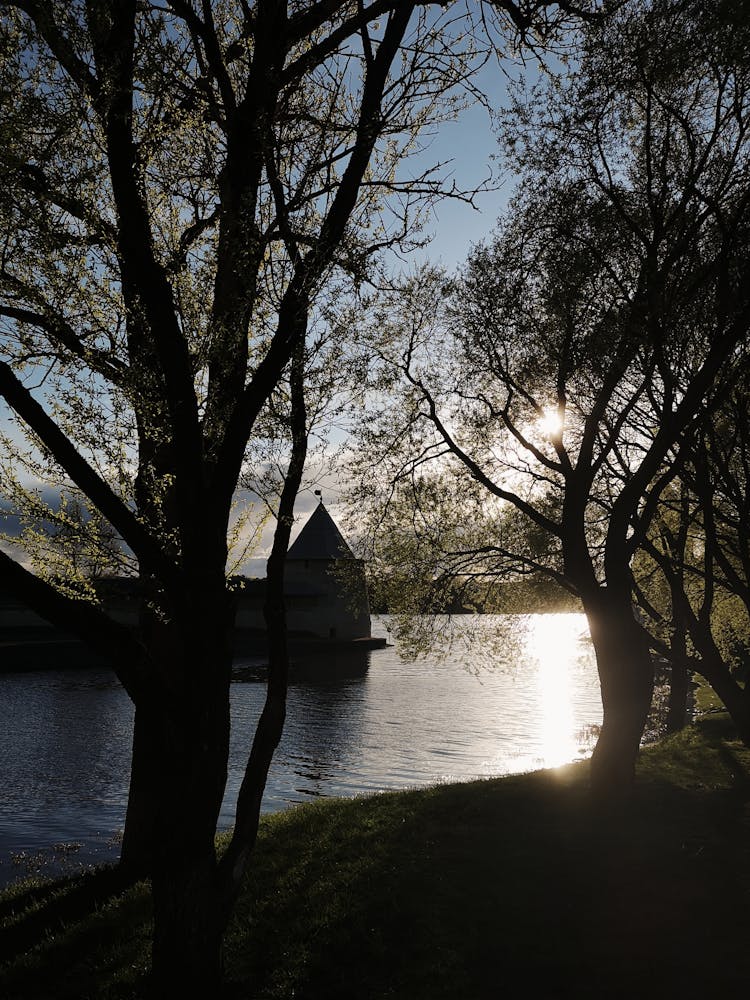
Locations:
69 937
31 911
519 884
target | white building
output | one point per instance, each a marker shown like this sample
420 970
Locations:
324 585
326 599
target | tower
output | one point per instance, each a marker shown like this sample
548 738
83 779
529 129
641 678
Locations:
325 583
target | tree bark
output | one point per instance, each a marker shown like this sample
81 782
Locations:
180 755
189 920
626 675
137 852
679 684
679 689
736 699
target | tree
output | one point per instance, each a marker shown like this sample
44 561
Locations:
562 372
699 549
181 180
659 598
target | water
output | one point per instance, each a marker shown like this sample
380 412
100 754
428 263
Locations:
531 700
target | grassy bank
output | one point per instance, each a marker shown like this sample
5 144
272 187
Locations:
515 886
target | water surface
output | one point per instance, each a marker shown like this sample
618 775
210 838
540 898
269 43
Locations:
514 694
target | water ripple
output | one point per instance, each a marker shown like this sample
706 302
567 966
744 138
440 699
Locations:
65 744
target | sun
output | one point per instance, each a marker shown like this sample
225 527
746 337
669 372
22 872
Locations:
550 423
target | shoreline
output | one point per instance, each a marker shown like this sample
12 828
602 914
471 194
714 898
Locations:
41 649
519 878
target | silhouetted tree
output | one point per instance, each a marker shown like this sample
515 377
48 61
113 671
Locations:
698 545
180 180
562 371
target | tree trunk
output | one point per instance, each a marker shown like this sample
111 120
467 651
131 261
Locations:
183 740
137 852
679 689
736 699
189 919
679 681
626 675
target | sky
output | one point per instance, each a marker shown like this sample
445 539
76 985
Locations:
466 146
469 143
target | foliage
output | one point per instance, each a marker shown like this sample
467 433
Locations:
185 186
66 307
692 573
563 374
572 347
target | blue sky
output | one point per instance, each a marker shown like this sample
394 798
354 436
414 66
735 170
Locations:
468 143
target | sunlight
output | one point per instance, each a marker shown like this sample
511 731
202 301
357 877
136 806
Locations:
550 423
553 641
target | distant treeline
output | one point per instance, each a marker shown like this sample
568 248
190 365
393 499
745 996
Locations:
531 595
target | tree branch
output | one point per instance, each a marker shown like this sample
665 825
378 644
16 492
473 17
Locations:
60 331
114 641
83 475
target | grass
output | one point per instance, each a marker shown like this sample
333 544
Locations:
706 699
513 885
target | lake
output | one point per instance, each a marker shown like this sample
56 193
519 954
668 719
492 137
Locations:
514 693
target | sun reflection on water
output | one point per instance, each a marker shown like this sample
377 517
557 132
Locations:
554 642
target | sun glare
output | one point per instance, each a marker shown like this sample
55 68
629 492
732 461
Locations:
550 423
554 643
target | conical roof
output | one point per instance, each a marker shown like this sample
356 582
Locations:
320 539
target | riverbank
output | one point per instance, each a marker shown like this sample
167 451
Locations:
454 891
36 649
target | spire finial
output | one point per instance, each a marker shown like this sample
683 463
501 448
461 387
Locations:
319 494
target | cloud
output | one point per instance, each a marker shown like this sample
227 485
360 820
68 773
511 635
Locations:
253 563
